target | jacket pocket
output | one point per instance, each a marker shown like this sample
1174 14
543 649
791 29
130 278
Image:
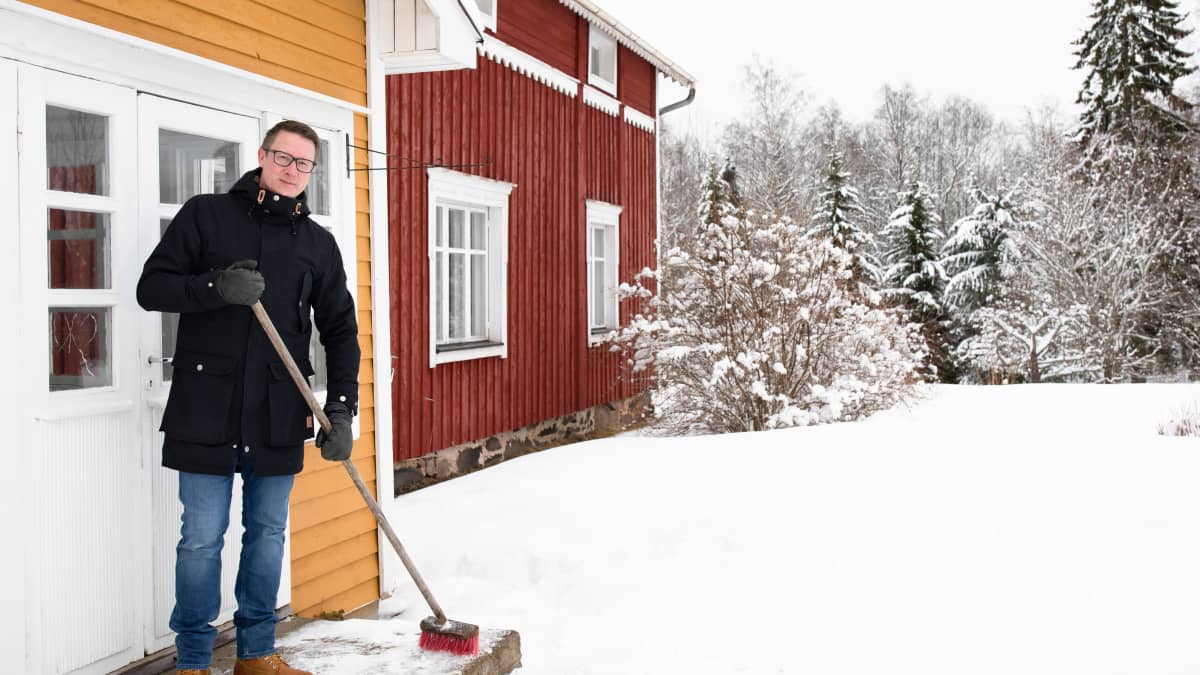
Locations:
201 398
304 308
291 420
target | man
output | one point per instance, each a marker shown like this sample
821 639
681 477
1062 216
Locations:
233 407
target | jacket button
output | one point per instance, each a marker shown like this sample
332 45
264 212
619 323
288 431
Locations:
210 284
342 399
199 366
276 197
247 449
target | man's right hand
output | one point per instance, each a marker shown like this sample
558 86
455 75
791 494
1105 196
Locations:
241 283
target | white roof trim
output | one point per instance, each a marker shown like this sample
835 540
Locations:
601 101
528 65
609 25
639 119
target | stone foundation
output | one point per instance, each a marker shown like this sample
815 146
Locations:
454 461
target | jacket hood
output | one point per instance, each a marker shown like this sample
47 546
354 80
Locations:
273 203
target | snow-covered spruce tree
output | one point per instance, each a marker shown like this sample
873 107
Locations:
757 329
913 277
1131 59
979 252
837 218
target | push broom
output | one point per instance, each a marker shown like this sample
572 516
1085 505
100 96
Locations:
437 632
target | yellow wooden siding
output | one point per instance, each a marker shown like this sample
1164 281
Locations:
335 551
316 44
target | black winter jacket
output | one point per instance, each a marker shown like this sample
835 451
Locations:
231 399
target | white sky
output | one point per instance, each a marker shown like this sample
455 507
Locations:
1009 55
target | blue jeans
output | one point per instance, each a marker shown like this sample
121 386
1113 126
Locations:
206 501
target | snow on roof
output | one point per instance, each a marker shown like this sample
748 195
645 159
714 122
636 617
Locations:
617 30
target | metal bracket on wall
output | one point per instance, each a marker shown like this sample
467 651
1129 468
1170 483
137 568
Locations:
408 163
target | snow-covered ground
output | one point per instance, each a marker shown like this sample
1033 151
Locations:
1043 529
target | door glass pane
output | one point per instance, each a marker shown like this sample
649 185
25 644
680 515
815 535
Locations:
440 230
316 356
598 242
457 240
458 296
76 151
478 231
77 244
318 183
80 348
191 165
478 295
170 324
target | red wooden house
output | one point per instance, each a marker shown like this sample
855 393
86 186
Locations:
505 255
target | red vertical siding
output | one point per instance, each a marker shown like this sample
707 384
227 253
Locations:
544 29
636 80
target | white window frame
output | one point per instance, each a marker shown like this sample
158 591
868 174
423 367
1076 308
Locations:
607 218
489 20
598 38
452 189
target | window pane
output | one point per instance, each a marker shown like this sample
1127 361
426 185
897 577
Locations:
598 250
78 249
478 295
596 67
191 165
439 229
458 296
80 353
76 151
598 318
457 239
478 231
440 311
318 183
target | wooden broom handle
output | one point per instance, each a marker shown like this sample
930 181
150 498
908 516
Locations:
302 384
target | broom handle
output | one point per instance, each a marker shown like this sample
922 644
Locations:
302 385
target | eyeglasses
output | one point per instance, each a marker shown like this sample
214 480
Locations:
284 159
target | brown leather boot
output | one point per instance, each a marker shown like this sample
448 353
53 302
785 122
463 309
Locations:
267 665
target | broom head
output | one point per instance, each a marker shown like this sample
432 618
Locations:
451 636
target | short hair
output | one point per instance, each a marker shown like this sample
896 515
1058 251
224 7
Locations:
298 128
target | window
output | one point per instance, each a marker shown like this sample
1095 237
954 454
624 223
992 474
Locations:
488 9
468 266
602 61
603 237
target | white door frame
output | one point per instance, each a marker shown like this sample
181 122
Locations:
14 527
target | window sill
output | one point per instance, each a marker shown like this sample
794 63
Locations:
468 352
597 337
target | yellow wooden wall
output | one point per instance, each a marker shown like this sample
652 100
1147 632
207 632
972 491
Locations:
319 45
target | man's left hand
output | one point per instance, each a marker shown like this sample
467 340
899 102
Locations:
339 441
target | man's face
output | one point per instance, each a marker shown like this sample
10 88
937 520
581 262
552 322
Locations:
285 180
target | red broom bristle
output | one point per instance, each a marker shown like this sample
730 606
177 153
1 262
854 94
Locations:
444 643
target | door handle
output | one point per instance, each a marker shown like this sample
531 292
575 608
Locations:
160 359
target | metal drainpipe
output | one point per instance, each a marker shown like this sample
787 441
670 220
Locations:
679 104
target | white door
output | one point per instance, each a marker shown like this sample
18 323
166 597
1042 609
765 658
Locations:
83 465
185 150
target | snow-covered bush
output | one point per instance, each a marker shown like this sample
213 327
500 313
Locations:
1186 423
758 328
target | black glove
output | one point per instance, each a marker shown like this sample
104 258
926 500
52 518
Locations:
241 283
339 441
